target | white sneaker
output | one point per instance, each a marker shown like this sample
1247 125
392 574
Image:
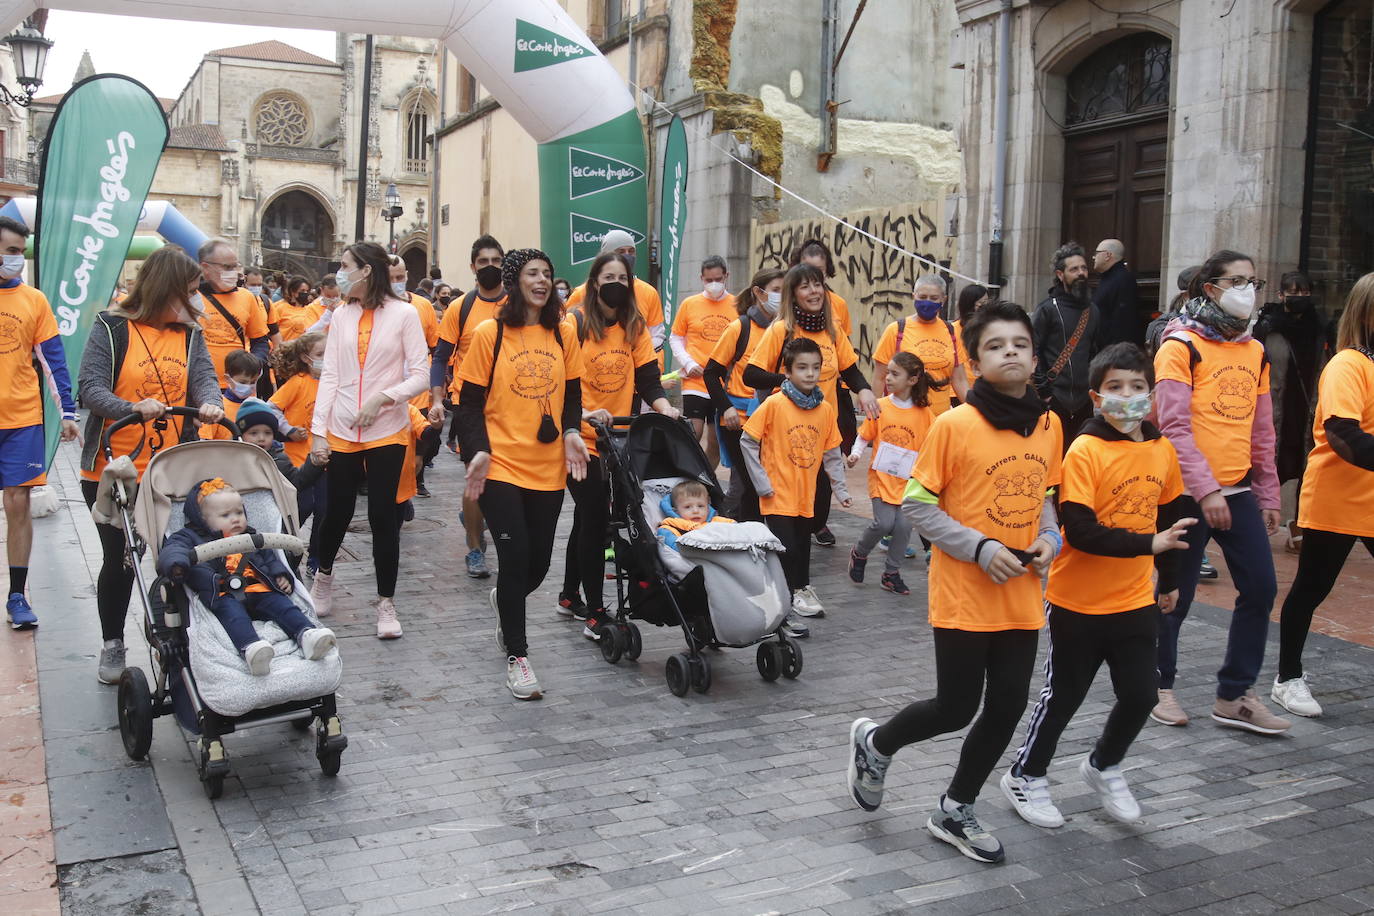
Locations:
322 593
316 642
1294 696
259 657
806 604
1111 790
1030 796
521 680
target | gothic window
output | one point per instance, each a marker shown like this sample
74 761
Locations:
282 120
1127 77
416 139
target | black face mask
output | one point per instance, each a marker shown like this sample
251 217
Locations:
614 294
489 277
445 299
303 299
548 432
1298 303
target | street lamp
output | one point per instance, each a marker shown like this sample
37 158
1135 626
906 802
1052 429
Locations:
30 50
392 212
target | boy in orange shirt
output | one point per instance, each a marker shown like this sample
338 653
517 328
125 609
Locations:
1121 503
793 431
982 492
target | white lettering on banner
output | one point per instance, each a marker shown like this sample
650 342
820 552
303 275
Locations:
74 291
675 226
608 172
596 237
554 47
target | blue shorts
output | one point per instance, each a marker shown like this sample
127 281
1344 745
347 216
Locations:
22 453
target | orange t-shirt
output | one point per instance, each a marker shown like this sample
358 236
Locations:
295 320
724 353
900 427
1226 383
701 322
792 442
608 371
448 331
840 309
836 355
154 367
647 300
933 342
993 481
26 320
1124 483
428 322
958 326
220 336
296 400
217 431
1336 495
407 487
530 375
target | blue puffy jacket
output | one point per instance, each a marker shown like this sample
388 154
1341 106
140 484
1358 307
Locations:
207 579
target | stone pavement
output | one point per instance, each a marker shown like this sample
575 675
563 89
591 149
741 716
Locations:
612 796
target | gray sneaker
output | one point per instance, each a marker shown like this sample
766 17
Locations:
477 565
867 768
957 825
792 626
111 662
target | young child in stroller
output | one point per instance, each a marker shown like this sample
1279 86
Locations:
686 508
238 588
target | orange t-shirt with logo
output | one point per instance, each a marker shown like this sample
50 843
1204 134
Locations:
993 481
902 427
724 353
647 300
791 444
220 336
530 376
1337 496
608 371
701 322
154 367
1226 383
934 343
448 331
1124 482
296 401
836 355
26 320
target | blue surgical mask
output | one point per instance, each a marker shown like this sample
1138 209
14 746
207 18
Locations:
241 389
255 290
11 266
927 309
344 280
399 290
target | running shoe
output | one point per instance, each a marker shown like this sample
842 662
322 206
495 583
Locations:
856 567
825 537
867 768
388 627
792 626
19 613
572 607
957 825
805 603
892 582
111 664
1207 570
1248 712
1030 796
1168 711
594 619
477 565
1294 696
422 491
521 680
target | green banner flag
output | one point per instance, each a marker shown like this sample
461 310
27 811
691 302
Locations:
672 213
103 147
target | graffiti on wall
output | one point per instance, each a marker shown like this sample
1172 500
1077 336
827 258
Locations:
875 280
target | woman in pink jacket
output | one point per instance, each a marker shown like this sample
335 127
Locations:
375 360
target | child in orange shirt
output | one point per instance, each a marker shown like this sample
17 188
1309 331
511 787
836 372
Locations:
981 491
791 433
904 419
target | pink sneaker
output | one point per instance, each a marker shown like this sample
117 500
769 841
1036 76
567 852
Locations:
322 594
388 627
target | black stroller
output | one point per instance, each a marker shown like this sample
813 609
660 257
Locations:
656 449
172 617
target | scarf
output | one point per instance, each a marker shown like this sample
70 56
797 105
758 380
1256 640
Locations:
759 316
1020 415
805 401
1209 319
811 321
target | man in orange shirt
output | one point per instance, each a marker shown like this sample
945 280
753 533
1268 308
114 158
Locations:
234 318
698 324
28 334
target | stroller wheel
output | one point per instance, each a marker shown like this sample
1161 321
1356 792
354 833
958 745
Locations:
135 713
791 659
769 660
676 671
612 642
634 642
214 766
701 674
330 742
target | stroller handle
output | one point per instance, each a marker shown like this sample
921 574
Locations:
246 543
133 418
615 421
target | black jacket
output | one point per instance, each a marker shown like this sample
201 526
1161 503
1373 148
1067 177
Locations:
1053 322
1118 303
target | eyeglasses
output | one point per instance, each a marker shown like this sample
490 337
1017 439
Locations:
1240 282
224 266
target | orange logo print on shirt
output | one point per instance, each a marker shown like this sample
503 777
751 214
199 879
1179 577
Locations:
899 436
533 375
607 372
712 326
803 446
9 334
1019 498
1134 510
935 355
1235 398
173 378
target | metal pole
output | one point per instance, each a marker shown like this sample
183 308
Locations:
829 33
999 178
363 123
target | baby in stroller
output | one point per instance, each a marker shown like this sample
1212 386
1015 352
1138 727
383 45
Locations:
686 508
240 587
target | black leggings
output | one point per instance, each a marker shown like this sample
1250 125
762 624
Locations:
964 661
522 523
743 503
380 468
115 583
1323 555
795 533
584 566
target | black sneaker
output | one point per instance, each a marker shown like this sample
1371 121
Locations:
856 567
422 491
571 606
594 620
958 826
825 538
892 582
1207 571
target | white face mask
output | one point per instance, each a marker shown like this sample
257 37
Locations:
399 289
255 290
1238 303
11 266
715 290
774 299
229 278
1126 413
242 389
197 303
344 280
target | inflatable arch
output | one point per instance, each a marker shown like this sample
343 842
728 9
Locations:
158 216
529 54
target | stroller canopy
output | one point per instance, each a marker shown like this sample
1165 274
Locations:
658 447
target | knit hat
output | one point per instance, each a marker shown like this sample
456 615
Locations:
515 261
616 238
257 412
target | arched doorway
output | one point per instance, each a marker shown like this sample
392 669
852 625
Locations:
416 268
1116 143
297 235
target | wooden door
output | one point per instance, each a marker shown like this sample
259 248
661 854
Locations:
1114 188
